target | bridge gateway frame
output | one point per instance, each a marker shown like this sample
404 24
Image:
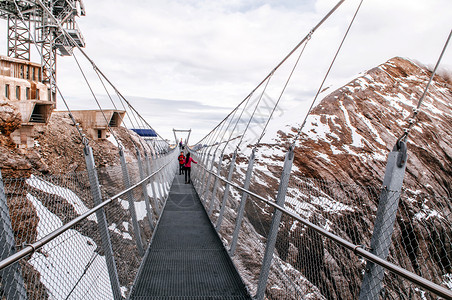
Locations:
181 130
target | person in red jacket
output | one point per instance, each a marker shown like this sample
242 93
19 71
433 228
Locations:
188 161
181 159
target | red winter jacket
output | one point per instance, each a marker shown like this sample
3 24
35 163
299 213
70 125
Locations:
188 163
181 159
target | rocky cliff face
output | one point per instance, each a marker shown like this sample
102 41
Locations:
354 127
339 166
58 147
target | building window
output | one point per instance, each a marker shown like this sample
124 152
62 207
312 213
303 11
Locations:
18 92
21 71
28 72
33 74
99 134
37 94
7 91
27 93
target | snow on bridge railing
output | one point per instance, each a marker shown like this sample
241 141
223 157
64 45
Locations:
320 245
51 245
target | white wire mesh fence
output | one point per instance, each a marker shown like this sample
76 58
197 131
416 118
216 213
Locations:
308 265
73 265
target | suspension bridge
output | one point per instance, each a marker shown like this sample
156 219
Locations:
143 230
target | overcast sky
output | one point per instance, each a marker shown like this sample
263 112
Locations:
187 63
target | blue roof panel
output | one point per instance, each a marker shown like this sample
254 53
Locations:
145 132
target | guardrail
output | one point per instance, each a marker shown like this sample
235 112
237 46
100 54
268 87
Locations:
65 238
218 205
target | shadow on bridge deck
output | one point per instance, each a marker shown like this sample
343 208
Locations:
186 259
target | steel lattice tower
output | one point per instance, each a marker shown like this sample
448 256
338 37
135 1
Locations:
44 22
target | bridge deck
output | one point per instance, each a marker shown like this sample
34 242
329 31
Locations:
186 259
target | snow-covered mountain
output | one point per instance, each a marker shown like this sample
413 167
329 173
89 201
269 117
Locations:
338 169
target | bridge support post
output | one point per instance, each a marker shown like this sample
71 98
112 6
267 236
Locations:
145 191
154 194
12 281
384 223
165 175
204 162
169 172
271 240
158 177
102 223
226 192
241 210
215 185
133 214
205 192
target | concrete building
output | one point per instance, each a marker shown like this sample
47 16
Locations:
21 85
94 122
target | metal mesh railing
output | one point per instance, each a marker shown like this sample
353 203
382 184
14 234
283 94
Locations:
73 265
40 205
307 263
422 244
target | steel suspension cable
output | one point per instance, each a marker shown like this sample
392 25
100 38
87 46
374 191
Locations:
254 111
227 127
236 123
413 119
224 120
97 101
325 77
125 109
216 134
294 49
133 109
111 99
114 105
79 130
283 90
73 42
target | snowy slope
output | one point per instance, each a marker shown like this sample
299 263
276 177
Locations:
339 165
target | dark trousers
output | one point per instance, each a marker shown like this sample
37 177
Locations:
181 169
187 174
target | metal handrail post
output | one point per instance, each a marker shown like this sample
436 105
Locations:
167 175
206 187
158 178
133 214
162 180
12 281
145 191
226 191
102 223
200 174
154 194
197 176
215 185
241 210
193 176
271 240
205 159
384 222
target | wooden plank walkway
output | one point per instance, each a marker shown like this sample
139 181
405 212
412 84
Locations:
186 259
